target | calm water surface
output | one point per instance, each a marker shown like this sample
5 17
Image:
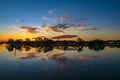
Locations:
58 63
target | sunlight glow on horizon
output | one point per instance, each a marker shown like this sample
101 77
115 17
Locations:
16 32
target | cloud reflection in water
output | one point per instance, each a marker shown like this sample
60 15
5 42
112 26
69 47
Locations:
44 56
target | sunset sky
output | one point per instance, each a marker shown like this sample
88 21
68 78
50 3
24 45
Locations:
87 19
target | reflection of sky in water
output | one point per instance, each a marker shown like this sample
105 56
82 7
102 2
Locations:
59 64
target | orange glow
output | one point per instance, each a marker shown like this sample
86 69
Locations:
16 33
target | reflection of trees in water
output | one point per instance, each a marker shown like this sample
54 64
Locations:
18 47
44 48
80 48
27 47
1 43
65 47
11 47
116 46
96 47
47 48
39 49
60 59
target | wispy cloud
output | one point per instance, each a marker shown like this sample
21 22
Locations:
20 20
92 29
64 36
62 26
54 29
83 28
30 29
108 28
45 18
46 28
62 18
85 18
13 27
52 11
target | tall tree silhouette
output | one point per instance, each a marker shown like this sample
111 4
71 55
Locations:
11 41
80 41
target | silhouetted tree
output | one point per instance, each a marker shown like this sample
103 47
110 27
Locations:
39 39
27 40
46 39
96 42
10 41
80 41
18 41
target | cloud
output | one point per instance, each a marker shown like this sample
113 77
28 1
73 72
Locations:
57 29
65 26
20 20
13 27
52 11
83 28
62 18
30 29
107 28
54 19
85 18
92 29
62 26
54 29
45 18
64 36
72 19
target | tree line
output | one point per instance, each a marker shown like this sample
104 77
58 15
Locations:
47 41
46 44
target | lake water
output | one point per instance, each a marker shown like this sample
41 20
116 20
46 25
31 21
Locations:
59 63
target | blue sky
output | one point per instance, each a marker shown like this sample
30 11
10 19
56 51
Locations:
98 13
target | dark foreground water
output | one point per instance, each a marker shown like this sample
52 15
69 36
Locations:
59 63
